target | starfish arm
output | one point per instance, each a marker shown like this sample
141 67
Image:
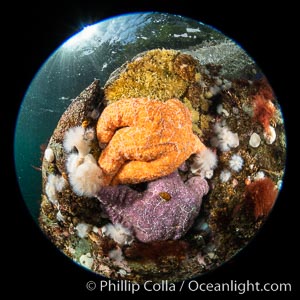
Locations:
119 114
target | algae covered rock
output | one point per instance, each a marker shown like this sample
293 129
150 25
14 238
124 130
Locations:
165 74
90 229
84 110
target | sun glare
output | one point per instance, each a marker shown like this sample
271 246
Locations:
83 36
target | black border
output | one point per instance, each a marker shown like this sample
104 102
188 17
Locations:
34 31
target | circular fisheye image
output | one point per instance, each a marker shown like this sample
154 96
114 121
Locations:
150 146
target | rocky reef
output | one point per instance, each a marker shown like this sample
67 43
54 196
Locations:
175 225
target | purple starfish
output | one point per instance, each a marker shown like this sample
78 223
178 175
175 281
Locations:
166 210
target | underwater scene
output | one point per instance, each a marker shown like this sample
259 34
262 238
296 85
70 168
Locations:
154 148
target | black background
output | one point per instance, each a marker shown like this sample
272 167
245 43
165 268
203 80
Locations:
31 32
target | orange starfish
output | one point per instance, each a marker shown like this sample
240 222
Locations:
147 139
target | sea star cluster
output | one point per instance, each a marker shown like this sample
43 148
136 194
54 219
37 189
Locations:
165 210
146 139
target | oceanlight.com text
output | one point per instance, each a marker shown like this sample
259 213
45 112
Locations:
239 287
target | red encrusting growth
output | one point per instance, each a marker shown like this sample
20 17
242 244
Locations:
260 196
264 111
264 89
264 108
